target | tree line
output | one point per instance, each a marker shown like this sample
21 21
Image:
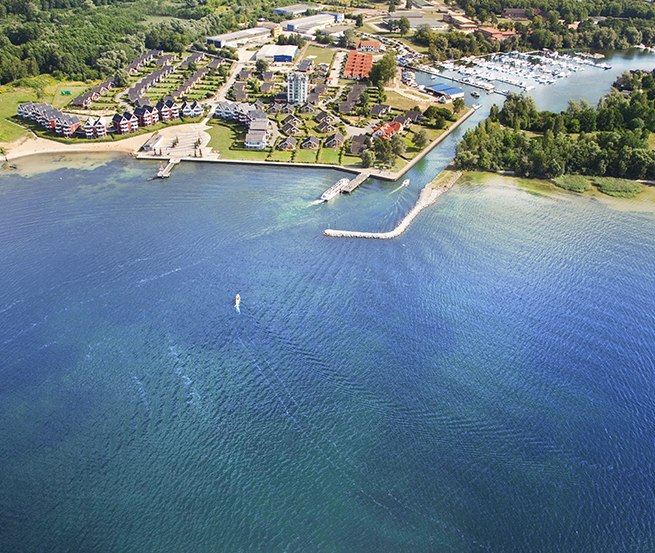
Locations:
610 139
91 39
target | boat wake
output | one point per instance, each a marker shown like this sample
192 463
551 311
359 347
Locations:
402 185
316 202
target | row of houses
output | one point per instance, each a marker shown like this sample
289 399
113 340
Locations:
85 100
358 65
311 142
145 116
137 91
352 97
142 60
192 81
49 118
68 125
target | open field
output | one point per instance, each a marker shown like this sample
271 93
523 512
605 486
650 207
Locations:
36 89
319 55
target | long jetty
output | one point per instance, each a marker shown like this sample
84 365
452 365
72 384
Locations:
427 197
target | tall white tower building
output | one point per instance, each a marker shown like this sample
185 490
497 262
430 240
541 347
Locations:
297 88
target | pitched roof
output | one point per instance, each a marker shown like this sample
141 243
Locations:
358 65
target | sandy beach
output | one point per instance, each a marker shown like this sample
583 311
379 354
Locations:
35 145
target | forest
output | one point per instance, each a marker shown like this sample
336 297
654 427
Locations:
610 139
91 39
553 24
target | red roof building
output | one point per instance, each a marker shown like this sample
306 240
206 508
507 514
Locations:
387 130
370 45
495 34
358 65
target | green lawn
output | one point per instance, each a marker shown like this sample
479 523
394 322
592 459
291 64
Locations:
9 99
319 55
329 155
348 160
43 88
279 155
306 156
399 101
224 136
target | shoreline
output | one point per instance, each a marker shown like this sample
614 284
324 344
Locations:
131 146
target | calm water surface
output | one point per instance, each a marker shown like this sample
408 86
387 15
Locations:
483 383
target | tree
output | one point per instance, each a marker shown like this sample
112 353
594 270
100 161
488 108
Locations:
420 139
261 65
382 94
392 6
409 4
384 153
348 39
359 20
384 70
398 146
368 158
458 105
121 78
403 26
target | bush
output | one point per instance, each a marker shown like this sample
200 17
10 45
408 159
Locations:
574 183
620 188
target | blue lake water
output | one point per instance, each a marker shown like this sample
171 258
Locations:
483 383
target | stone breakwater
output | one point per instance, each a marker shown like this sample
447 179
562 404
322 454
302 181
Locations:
443 182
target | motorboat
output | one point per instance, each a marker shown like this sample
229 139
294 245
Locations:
237 301
405 183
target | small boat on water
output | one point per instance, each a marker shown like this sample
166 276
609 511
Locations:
405 183
475 94
237 301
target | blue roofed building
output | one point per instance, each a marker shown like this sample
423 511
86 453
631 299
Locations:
445 90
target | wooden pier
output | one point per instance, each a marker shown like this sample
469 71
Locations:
165 172
359 179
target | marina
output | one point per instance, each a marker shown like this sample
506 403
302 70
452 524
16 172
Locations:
522 70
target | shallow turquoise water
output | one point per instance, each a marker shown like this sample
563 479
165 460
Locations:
484 382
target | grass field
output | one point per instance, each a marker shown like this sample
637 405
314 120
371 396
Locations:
619 188
279 155
399 101
574 183
348 160
329 155
319 55
224 137
306 156
36 89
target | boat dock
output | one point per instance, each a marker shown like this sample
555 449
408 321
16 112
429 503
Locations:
165 172
427 197
353 184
